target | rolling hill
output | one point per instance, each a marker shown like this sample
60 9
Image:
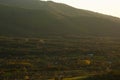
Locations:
38 18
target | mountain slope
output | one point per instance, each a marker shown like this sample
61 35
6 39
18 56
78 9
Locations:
36 18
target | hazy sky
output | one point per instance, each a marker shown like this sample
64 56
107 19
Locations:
111 7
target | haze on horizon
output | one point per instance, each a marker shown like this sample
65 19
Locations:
109 7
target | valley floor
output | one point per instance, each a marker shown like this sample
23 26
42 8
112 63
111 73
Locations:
46 58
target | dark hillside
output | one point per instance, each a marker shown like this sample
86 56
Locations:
37 18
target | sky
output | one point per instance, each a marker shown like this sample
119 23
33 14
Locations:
110 7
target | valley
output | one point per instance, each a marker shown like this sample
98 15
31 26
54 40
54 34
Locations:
45 40
47 57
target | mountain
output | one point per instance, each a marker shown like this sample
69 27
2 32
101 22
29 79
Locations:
39 18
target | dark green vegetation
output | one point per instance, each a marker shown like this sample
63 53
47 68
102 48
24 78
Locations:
109 76
38 18
41 58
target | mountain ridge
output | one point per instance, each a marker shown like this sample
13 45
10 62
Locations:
54 19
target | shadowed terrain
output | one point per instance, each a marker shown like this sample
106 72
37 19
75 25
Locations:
38 18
